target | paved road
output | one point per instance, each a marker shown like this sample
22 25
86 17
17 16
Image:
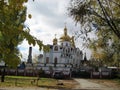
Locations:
85 84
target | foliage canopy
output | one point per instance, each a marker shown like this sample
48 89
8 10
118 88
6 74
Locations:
13 30
102 17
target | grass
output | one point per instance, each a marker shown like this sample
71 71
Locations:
11 81
117 80
22 81
20 77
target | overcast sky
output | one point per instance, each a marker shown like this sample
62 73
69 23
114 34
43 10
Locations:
48 18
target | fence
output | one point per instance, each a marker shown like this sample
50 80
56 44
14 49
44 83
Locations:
101 74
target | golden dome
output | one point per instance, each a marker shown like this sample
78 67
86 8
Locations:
65 37
72 41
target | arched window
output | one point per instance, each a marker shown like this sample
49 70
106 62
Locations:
66 44
47 59
68 50
55 60
56 48
71 49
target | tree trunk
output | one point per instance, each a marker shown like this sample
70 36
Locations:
3 75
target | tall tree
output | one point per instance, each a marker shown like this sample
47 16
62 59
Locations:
96 13
105 49
13 30
102 17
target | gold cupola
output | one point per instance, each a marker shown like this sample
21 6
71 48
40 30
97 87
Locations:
72 41
65 37
55 40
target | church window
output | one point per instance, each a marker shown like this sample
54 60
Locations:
55 60
68 50
47 59
56 48
60 47
66 54
66 44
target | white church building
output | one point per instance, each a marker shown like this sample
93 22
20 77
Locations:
63 57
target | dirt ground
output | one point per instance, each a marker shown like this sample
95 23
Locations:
76 84
97 84
108 83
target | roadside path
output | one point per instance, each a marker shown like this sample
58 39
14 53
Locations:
85 84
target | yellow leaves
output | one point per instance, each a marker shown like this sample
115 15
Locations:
26 0
12 17
20 27
29 16
29 38
93 3
32 40
46 48
4 50
14 42
99 54
100 43
12 60
23 18
39 43
7 50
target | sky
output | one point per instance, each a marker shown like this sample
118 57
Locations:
48 18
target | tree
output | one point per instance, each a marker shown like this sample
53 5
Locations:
97 14
13 31
102 17
106 49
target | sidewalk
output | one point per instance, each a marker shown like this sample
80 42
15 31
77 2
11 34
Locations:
85 84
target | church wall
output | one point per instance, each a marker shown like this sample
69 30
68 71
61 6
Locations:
64 54
46 55
66 43
41 60
58 56
51 56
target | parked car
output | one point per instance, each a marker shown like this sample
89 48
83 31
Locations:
58 75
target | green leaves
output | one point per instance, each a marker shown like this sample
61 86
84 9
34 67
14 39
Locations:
105 14
13 31
101 12
29 16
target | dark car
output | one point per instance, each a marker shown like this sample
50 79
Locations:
58 75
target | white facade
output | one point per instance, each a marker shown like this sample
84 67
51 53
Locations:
63 56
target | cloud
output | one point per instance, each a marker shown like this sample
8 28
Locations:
48 18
